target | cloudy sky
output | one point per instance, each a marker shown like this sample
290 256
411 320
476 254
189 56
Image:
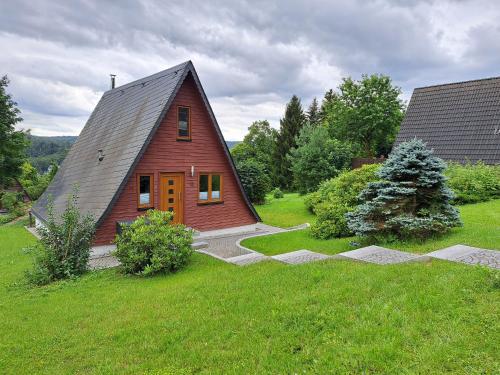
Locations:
250 56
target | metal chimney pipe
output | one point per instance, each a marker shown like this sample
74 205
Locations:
112 80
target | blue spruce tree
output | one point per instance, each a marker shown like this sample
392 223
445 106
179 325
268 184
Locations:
411 201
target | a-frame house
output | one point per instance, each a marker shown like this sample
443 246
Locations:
152 143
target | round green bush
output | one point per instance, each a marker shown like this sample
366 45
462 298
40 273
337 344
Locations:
254 179
152 244
331 221
335 198
277 193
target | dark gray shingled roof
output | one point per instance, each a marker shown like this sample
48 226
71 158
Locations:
122 125
460 121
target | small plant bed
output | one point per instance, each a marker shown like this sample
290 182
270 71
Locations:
285 212
481 229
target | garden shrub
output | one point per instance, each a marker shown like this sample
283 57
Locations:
35 183
7 218
473 183
411 201
331 221
64 247
254 179
311 200
152 244
11 200
277 193
335 198
13 203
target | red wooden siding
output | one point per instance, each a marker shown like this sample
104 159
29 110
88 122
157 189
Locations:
166 154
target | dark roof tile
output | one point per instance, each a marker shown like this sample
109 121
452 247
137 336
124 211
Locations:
457 120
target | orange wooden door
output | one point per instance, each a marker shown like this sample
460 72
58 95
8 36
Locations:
172 195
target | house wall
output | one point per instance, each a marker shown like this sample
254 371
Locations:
166 154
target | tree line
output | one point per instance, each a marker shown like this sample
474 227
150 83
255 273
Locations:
361 118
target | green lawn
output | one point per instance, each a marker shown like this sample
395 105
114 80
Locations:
285 212
481 229
213 317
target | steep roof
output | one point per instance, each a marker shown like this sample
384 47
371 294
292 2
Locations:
460 121
122 126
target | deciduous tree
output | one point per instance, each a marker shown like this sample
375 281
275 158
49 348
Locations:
13 143
367 113
316 158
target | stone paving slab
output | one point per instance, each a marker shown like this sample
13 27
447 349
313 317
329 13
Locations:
381 255
225 247
299 257
99 263
199 245
469 255
243 260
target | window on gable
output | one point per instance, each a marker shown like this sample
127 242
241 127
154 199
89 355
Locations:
145 190
210 188
183 123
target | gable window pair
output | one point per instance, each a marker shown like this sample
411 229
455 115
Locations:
210 188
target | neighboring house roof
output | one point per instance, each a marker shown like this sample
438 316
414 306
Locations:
122 126
460 121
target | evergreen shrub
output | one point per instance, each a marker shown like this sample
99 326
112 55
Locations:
412 200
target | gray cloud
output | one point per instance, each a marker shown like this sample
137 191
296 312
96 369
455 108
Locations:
251 55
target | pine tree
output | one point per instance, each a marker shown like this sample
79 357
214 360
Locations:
327 104
290 127
412 199
13 143
313 113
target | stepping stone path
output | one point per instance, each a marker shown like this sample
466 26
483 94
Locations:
243 260
381 255
228 249
300 256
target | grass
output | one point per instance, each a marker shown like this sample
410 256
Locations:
213 317
285 212
481 229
